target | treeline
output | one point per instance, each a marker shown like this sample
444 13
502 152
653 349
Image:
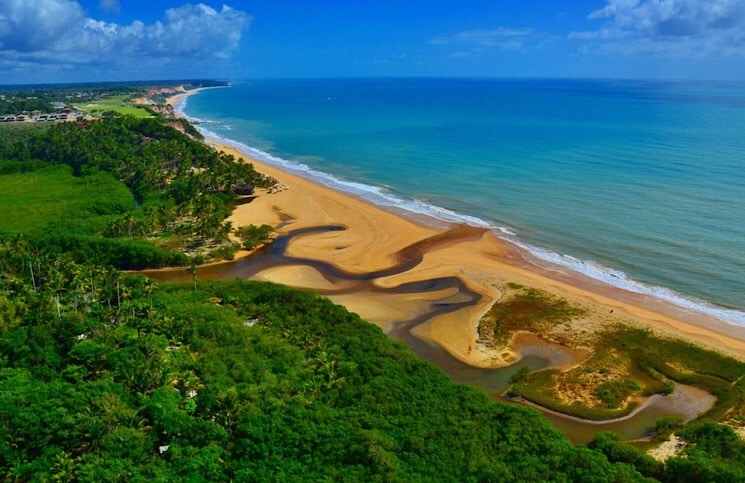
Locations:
179 184
18 106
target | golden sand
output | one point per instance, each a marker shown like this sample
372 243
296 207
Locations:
374 239
299 276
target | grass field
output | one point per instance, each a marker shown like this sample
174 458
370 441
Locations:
120 104
53 199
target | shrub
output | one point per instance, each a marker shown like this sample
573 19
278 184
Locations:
253 235
521 374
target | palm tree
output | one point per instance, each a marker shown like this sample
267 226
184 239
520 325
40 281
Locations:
192 270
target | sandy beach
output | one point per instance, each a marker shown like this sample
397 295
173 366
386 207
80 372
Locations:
484 263
374 239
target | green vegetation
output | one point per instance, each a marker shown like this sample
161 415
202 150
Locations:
526 309
642 364
619 452
11 132
133 193
521 374
665 426
686 363
108 377
541 388
17 106
626 365
252 236
712 452
49 198
613 393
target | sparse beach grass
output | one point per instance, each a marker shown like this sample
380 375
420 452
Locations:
627 364
526 309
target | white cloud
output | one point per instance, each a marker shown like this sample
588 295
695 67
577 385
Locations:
43 32
110 5
30 26
501 38
677 28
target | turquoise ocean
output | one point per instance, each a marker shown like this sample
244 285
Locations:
637 184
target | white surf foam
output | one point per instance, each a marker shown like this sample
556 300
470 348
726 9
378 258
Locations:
385 198
377 195
619 279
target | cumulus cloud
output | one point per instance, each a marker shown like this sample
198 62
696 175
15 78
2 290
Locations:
43 32
670 27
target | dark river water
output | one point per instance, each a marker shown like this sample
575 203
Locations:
686 402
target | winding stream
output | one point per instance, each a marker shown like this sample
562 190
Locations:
686 402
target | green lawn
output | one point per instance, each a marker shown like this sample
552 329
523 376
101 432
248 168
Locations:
52 198
119 104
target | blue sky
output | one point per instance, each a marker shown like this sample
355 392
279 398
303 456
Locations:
46 41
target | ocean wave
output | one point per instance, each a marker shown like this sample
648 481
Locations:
619 279
377 195
385 198
179 109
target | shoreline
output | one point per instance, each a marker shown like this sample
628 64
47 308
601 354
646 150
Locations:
177 101
374 235
483 264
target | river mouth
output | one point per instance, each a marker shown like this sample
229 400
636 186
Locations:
420 302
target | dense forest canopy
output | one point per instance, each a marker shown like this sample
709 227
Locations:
106 376
109 377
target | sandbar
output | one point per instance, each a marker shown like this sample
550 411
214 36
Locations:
299 276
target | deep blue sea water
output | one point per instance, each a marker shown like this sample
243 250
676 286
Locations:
638 184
